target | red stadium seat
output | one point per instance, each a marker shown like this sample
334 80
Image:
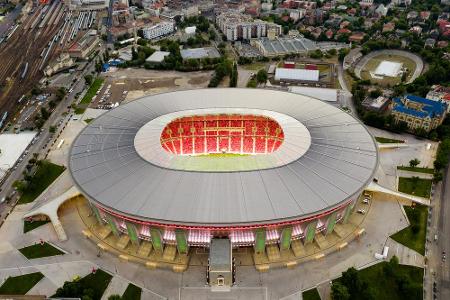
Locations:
244 134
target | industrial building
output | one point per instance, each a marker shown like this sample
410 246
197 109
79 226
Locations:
296 75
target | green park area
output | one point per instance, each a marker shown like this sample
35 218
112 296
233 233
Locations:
33 185
30 225
414 235
91 286
40 250
312 294
132 292
91 92
415 186
384 140
20 285
416 169
385 280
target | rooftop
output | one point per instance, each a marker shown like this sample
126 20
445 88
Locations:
429 108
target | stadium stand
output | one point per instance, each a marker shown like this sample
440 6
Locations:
238 134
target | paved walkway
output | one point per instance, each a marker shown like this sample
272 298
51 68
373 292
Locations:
117 286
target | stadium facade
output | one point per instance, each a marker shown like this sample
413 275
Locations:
257 166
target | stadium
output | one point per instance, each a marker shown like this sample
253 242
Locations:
259 167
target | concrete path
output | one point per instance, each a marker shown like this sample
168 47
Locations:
117 286
406 256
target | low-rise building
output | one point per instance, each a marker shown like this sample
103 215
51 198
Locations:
84 46
296 75
440 93
157 57
419 112
199 53
378 104
158 30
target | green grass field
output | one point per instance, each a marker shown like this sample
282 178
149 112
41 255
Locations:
98 282
38 251
415 186
20 285
91 286
414 235
30 225
312 294
416 169
45 174
386 287
132 292
373 63
95 86
91 92
384 140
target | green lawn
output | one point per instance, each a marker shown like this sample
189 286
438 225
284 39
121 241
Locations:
45 174
20 285
386 288
312 294
95 86
414 235
30 225
132 292
416 169
92 286
88 120
38 251
384 140
415 186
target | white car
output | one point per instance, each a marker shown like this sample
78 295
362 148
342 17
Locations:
361 211
366 200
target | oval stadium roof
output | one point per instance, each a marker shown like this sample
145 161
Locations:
339 162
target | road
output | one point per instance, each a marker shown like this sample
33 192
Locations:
443 244
345 95
43 143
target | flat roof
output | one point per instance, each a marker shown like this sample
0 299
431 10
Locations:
338 164
296 74
11 148
388 68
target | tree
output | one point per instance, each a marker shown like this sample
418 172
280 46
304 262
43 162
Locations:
339 292
88 79
261 76
414 163
234 76
115 297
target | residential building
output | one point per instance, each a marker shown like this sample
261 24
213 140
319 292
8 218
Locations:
440 93
237 26
158 30
419 112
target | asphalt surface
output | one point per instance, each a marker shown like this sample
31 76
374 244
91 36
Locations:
443 243
42 144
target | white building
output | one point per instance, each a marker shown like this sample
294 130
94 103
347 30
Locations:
284 74
158 30
237 26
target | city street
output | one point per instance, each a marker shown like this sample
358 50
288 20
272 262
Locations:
44 141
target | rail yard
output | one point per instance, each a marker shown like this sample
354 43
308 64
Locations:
37 38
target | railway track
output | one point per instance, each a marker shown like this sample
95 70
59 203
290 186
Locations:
26 45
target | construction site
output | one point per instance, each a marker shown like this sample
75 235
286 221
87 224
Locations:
41 33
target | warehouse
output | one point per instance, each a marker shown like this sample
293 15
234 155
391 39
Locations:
296 75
